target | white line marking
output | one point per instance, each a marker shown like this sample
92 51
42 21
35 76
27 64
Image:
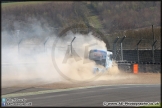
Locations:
69 89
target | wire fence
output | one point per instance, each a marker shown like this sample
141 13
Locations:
125 49
137 50
144 52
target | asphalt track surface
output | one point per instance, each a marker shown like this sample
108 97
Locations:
95 96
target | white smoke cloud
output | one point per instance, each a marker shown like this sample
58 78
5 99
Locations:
33 63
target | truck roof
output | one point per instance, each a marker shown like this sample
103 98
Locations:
108 52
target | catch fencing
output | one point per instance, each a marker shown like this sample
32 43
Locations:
144 52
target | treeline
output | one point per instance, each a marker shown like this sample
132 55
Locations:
112 16
8 1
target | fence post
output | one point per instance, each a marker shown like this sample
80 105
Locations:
114 47
153 33
45 44
19 41
138 50
19 44
121 47
153 51
71 45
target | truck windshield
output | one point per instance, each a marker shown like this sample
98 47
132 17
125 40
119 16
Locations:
98 56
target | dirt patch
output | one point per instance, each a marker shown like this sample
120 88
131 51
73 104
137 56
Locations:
125 78
106 79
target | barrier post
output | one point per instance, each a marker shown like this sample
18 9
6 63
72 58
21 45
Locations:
114 48
153 59
138 50
121 48
135 68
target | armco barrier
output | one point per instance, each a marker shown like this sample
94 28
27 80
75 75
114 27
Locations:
155 68
129 67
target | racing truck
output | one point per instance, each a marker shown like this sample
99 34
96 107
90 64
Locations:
102 58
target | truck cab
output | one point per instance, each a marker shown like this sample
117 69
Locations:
102 59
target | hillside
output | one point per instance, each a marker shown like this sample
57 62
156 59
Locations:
112 16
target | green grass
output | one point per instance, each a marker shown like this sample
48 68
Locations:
13 4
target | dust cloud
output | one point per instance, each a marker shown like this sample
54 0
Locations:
79 68
28 60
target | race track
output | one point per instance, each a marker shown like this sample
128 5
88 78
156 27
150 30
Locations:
95 96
